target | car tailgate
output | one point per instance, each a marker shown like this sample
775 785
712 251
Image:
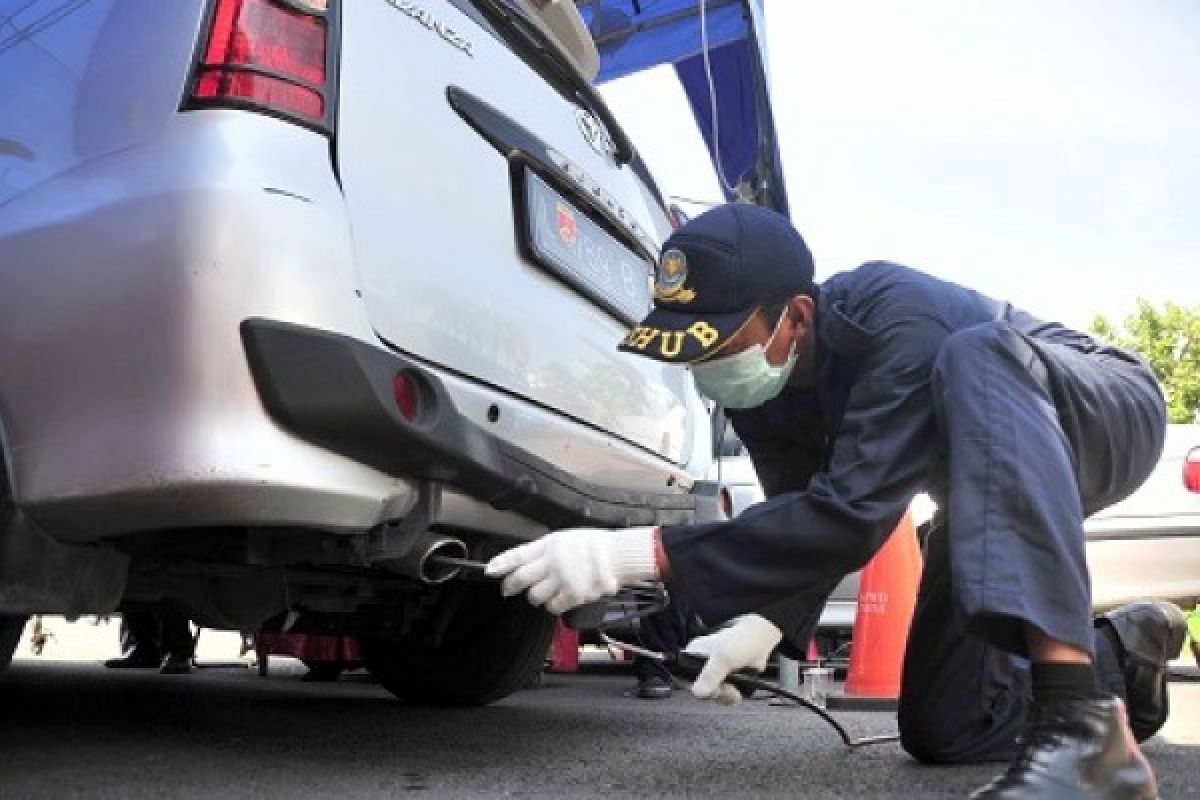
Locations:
435 214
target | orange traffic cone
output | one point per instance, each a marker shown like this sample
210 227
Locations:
887 596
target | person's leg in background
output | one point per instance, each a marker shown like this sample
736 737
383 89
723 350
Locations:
139 639
665 632
178 643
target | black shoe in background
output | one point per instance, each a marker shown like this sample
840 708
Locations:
1077 750
322 672
653 687
1150 634
175 665
137 658
653 679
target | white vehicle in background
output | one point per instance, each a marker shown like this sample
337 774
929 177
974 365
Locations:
1147 546
297 296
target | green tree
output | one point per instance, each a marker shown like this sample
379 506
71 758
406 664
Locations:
1168 338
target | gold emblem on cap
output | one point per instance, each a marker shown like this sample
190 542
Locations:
669 277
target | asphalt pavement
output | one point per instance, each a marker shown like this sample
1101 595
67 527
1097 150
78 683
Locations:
71 730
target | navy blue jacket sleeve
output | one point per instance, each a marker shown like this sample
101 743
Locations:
804 541
787 464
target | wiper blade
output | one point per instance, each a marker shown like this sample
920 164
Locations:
550 55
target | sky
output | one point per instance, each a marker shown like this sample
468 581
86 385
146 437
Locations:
1044 153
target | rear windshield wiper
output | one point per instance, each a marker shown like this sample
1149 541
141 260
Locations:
550 58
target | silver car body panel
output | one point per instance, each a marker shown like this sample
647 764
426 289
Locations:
134 240
127 401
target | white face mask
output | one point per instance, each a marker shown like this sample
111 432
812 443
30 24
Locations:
745 379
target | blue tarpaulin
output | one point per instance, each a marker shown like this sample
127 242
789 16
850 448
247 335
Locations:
634 35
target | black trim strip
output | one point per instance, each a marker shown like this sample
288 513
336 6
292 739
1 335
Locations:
636 162
468 9
337 392
514 141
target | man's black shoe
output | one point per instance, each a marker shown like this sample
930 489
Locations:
1078 750
653 687
1150 634
137 658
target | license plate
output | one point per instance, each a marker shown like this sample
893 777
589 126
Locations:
563 239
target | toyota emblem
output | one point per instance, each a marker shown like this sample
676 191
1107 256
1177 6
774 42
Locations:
594 133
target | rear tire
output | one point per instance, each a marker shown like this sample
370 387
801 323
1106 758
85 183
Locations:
491 647
11 628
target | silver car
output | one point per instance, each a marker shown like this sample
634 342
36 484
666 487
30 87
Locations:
300 300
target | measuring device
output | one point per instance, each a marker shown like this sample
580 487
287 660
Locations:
645 599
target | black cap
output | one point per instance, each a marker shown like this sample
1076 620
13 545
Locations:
713 274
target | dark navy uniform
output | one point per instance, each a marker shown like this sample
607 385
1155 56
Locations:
1019 428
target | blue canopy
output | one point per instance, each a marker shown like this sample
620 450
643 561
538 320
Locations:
634 35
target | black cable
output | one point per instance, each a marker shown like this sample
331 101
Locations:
690 665
779 691
647 599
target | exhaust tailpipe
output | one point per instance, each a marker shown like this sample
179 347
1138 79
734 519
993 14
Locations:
419 562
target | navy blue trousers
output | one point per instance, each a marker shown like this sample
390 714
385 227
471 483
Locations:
1037 433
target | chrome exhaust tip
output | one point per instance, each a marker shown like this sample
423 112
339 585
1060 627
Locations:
429 568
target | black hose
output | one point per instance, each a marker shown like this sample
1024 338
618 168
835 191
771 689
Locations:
779 691
689 666
649 601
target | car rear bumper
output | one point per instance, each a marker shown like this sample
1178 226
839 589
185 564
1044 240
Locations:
339 393
1137 557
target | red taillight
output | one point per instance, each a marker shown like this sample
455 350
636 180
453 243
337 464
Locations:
270 55
407 395
1191 470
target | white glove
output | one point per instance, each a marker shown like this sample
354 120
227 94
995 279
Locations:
746 642
576 566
